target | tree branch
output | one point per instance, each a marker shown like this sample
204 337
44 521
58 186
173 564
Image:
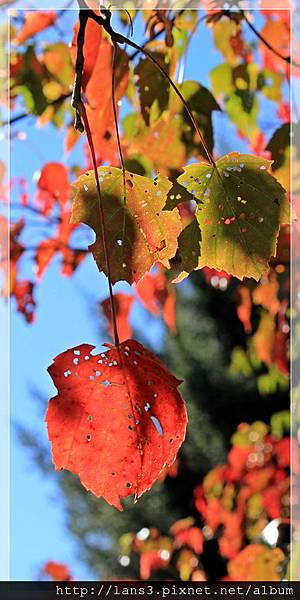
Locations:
36 211
23 115
76 96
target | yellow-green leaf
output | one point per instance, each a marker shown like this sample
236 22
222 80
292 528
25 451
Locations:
139 232
240 210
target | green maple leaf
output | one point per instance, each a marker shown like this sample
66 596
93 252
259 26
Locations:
240 210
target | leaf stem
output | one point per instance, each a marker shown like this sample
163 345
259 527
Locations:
102 222
122 39
156 35
82 124
113 83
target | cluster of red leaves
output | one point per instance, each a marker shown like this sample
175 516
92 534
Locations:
158 295
239 47
21 290
23 293
271 338
16 250
276 31
60 243
235 502
182 545
51 204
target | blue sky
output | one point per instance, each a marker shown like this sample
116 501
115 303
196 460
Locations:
65 317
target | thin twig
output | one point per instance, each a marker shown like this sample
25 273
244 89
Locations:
27 207
24 115
156 35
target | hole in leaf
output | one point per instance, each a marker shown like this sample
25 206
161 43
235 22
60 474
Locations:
105 383
157 425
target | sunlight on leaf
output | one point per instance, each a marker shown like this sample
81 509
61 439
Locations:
115 424
240 210
139 231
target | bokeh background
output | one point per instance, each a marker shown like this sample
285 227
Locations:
207 338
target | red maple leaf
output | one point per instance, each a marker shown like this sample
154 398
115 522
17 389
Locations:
282 450
272 501
35 21
71 259
53 186
57 571
191 537
230 541
277 33
123 304
284 112
158 295
23 293
244 308
152 561
117 420
237 459
97 86
47 249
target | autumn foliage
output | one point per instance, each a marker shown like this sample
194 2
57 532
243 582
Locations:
235 504
148 191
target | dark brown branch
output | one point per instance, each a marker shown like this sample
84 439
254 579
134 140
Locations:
76 97
36 211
